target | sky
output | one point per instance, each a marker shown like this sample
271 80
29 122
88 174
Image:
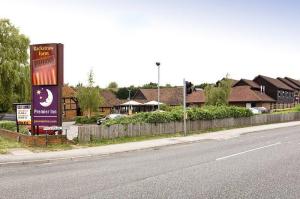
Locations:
200 41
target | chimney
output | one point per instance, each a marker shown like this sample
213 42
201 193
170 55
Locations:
262 89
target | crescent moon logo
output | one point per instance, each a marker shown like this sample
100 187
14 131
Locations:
49 99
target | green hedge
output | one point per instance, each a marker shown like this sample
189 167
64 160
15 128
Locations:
297 108
176 114
11 126
86 120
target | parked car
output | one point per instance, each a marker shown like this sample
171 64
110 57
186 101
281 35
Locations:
254 111
258 110
109 117
262 109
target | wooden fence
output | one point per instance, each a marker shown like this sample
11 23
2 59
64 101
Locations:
87 133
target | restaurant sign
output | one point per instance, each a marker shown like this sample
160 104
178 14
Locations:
23 114
46 62
45 105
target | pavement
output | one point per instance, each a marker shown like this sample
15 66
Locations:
72 130
261 164
46 157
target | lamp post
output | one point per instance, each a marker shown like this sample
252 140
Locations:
184 107
158 91
129 109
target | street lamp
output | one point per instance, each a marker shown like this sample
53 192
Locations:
129 107
129 94
158 74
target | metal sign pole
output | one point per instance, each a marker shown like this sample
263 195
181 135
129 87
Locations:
184 106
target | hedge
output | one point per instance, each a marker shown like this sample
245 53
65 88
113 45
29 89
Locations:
87 120
205 113
11 126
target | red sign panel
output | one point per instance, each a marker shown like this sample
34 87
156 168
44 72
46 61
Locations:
44 64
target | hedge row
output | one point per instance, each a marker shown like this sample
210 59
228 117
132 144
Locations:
11 126
205 113
86 120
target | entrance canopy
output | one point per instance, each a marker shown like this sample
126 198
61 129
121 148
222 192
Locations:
131 103
153 103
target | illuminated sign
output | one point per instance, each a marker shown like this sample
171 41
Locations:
44 64
46 61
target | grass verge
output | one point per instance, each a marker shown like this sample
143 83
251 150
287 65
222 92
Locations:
6 144
52 147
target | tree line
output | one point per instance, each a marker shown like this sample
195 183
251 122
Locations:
14 67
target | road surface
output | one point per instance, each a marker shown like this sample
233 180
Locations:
256 165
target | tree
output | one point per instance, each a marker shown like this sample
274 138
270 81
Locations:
203 85
218 95
150 85
123 93
14 69
89 97
113 86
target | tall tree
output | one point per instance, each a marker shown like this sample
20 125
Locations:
123 93
13 65
113 86
218 95
89 97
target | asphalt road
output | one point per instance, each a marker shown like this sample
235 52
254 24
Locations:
256 165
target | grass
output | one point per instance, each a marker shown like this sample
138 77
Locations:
52 147
120 140
6 144
11 126
287 110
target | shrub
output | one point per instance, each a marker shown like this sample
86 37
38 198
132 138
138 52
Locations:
8 125
87 120
176 114
11 126
297 108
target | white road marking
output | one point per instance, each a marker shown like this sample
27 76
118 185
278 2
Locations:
229 156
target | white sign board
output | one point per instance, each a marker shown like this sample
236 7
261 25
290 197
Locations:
23 114
53 128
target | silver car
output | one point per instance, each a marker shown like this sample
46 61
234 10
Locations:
109 117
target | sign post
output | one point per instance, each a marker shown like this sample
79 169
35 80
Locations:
184 107
23 115
46 63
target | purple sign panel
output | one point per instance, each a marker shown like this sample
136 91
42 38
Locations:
45 105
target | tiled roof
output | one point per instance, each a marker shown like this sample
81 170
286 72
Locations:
238 94
233 81
297 82
251 83
68 91
196 97
289 83
170 96
109 98
276 83
246 94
